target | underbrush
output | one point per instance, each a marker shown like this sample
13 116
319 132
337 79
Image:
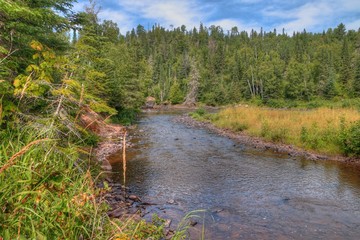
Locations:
201 114
126 116
48 192
325 130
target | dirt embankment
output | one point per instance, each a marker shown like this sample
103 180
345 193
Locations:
111 135
262 144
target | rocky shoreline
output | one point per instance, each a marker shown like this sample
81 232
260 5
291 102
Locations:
262 144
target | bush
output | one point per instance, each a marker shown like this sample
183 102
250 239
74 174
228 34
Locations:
200 111
279 135
126 116
350 139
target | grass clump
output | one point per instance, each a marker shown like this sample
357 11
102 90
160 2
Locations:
319 129
138 230
199 114
47 193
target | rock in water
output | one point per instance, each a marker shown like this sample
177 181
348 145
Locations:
134 198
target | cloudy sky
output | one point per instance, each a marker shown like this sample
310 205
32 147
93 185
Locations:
292 15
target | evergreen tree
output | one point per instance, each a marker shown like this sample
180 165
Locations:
356 80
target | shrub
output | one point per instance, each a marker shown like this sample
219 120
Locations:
200 111
279 135
350 140
199 114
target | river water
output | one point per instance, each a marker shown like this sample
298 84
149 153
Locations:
247 193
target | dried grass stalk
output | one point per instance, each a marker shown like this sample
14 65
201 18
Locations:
11 161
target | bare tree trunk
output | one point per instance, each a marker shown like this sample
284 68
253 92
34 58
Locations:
253 83
191 97
250 88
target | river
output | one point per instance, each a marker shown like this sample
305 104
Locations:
247 193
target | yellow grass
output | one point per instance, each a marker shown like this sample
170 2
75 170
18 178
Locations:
317 129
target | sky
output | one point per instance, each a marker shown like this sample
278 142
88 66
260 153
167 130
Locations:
290 15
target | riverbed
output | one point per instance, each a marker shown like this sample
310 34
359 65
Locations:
246 193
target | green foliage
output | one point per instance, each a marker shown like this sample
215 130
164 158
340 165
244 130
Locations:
41 199
91 139
182 231
310 138
350 139
275 135
126 116
279 135
176 95
200 111
139 230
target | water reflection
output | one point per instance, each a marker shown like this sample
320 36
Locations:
249 194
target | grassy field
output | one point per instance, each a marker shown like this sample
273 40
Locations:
325 130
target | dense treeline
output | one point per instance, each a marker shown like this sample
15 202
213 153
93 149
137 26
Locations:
207 64
237 65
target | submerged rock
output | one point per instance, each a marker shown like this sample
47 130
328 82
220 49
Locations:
134 198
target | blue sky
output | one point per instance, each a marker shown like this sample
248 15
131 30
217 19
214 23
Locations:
292 15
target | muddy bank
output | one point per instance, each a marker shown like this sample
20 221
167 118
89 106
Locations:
123 203
110 135
262 144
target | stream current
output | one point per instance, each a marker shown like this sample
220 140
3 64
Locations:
247 193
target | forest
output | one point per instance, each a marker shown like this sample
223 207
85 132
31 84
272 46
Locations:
218 67
54 63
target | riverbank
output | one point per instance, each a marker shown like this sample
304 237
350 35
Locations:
126 210
260 143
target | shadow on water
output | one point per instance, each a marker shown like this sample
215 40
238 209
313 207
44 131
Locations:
248 193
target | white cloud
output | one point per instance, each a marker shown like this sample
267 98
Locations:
166 13
124 21
307 16
317 15
292 15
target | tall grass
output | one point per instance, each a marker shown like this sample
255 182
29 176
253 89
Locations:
48 192
43 195
317 129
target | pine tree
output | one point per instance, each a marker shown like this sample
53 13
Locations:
356 80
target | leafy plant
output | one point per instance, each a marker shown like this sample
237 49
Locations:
350 139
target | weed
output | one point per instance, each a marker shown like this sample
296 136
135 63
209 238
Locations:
238 126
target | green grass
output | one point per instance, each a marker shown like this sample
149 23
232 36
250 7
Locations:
43 195
324 130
